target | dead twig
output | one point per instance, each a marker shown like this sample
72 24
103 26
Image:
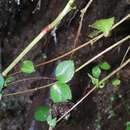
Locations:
83 11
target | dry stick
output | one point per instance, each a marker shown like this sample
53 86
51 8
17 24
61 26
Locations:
83 11
47 29
102 81
125 55
79 68
79 47
30 78
73 50
29 90
103 52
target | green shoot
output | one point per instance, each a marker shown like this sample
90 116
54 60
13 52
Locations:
96 72
93 80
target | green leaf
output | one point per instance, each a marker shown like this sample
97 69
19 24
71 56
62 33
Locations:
60 92
65 71
94 80
1 82
105 65
41 113
51 121
27 67
128 125
104 25
96 72
116 82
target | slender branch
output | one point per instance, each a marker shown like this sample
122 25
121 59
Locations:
30 78
125 55
103 52
83 11
121 21
28 91
79 68
47 29
73 50
94 88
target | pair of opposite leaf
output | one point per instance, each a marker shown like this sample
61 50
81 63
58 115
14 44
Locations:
64 72
96 72
60 91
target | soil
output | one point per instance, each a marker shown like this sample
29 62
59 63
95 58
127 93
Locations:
20 23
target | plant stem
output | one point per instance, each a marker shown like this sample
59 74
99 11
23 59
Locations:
29 91
30 78
47 29
83 11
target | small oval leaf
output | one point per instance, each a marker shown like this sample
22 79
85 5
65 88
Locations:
27 67
60 92
65 71
1 82
105 65
116 82
96 71
41 113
